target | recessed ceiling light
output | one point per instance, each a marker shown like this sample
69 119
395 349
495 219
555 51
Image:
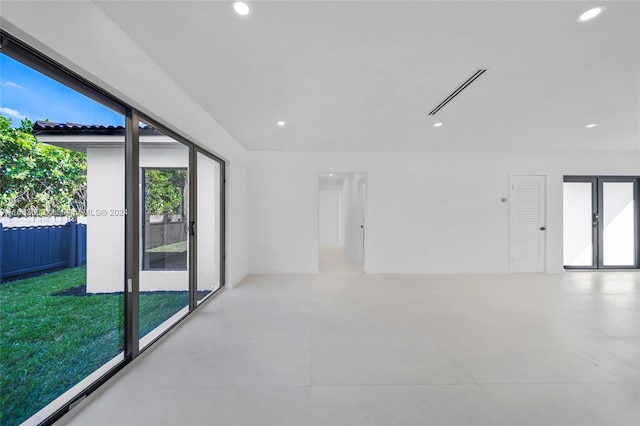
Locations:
281 123
330 174
589 126
437 125
591 13
241 8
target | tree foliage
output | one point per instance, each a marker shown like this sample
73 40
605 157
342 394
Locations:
37 179
165 191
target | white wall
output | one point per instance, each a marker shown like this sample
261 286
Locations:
329 220
327 184
63 30
426 212
105 234
283 225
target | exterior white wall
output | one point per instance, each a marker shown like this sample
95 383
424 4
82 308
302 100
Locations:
170 105
164 281
163 157
105 233
329 212
426 212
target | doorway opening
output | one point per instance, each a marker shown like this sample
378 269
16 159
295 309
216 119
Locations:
342 204
600 218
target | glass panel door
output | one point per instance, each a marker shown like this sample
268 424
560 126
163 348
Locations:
578 224
600 222
62 256
208 226
76 292
164 224
618 224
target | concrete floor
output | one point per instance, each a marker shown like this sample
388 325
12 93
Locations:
346 348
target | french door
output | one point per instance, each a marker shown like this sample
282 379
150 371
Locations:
600 215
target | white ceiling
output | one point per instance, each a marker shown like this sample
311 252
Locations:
361 76
334 176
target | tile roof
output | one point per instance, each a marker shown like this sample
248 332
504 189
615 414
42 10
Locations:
50 127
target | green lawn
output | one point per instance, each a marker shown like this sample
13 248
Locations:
48 342
179 247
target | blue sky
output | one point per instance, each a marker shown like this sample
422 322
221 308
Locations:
25 92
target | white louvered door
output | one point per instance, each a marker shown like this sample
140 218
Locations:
528 223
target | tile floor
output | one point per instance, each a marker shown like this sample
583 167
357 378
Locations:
346 348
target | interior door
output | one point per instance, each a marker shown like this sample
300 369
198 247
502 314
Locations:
364 215
360 219
527 223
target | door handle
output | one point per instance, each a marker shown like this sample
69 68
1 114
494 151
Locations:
542 228
595 219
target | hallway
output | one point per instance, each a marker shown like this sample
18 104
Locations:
335 259
343 347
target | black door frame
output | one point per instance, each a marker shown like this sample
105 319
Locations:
597 209
595 237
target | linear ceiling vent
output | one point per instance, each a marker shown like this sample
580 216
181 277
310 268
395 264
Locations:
456 92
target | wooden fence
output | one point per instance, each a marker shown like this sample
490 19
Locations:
164 231
34 250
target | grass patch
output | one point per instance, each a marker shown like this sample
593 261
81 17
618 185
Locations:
49 342
179 247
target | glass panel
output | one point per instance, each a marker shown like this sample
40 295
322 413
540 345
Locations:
577 224
165 219
618 224
208 224
62 235
164 275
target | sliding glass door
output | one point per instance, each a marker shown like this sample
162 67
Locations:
601 222
165 232
209 182
111 231
62 257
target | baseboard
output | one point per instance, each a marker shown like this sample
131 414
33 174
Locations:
435 272
234 282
